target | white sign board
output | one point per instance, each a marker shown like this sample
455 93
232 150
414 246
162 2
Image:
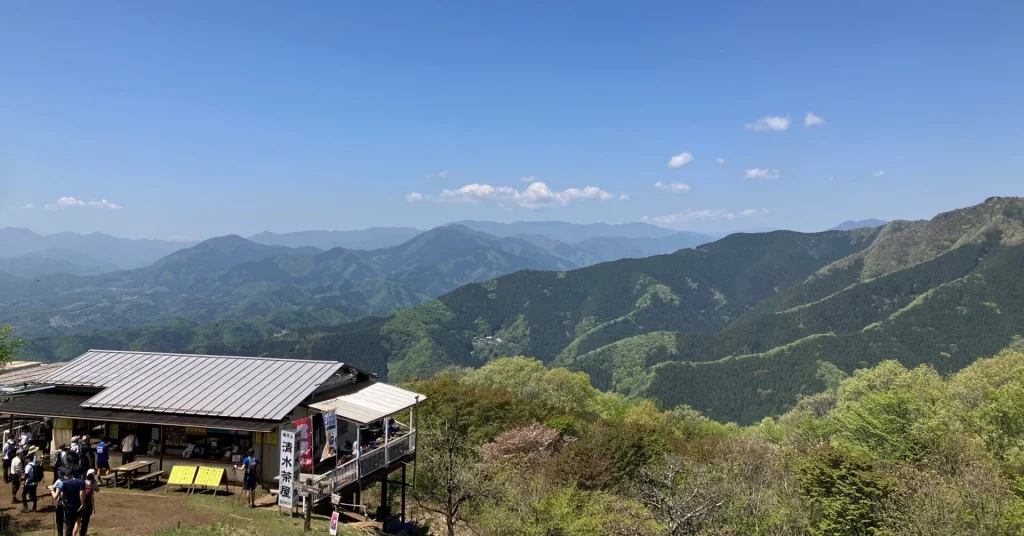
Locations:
289 475
334 523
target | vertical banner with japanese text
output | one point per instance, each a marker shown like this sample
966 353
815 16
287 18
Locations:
304 428
289 469
331 433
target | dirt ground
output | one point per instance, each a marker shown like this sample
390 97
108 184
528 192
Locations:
129 512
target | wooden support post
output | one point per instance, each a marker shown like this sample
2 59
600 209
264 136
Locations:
403 494
12 428
307 508
384 512
162 443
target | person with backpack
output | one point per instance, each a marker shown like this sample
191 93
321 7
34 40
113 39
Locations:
58 497
73 461
59 461
250 476
33 476
17 469
88 504
71 490
10 449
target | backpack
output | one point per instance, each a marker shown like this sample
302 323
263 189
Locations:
73 462
9 451
33 473
57 459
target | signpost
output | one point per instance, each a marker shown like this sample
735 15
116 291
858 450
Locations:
289 475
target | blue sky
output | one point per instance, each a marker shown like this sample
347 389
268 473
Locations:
197 119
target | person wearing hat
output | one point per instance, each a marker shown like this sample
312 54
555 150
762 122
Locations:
17 469
10 449
33 476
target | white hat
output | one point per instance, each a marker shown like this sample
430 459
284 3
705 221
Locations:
90 472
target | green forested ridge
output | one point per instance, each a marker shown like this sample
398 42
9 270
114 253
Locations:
888 450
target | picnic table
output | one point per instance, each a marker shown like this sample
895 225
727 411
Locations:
130 470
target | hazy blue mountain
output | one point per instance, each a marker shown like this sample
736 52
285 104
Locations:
610 248
55 261
123 252
372 238
567 232
850 225
230 277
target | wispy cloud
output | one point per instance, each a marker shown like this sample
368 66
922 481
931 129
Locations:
769 122
680 160
103 203
71 202
720 160
530 179
29 206
675 187
443 174
813 120
879 173
536 195
762 174
715 214
623 197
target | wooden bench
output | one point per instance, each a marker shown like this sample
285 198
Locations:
107 479
155 475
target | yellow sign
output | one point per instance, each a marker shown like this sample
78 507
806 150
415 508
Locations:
209 476
182 475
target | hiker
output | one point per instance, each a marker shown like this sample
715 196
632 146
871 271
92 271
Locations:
250 476
393 428
10 449
73 461
88 504
58 497
72 490
59 461
33 476
103 456
85 454
128 446
17 468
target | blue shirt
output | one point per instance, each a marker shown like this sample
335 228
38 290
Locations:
101 452
250 463
71 489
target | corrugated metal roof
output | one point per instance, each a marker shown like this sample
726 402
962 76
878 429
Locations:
369 402
226 386
27 373
70 406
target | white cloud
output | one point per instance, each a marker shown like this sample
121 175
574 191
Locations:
530 179
536 195
623 197
103 203
29 206
675 187
879 173
71 202
690 215
769 122
443 174
762 174
720 160
680 160
813 120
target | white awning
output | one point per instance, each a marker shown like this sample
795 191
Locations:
370 402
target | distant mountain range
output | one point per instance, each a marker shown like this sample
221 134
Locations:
234 278
850 225
77 253
568 232
372 238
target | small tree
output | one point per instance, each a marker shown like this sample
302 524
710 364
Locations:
8 346
453 484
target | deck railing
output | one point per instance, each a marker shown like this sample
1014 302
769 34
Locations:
366 464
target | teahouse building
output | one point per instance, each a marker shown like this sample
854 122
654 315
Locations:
189 409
